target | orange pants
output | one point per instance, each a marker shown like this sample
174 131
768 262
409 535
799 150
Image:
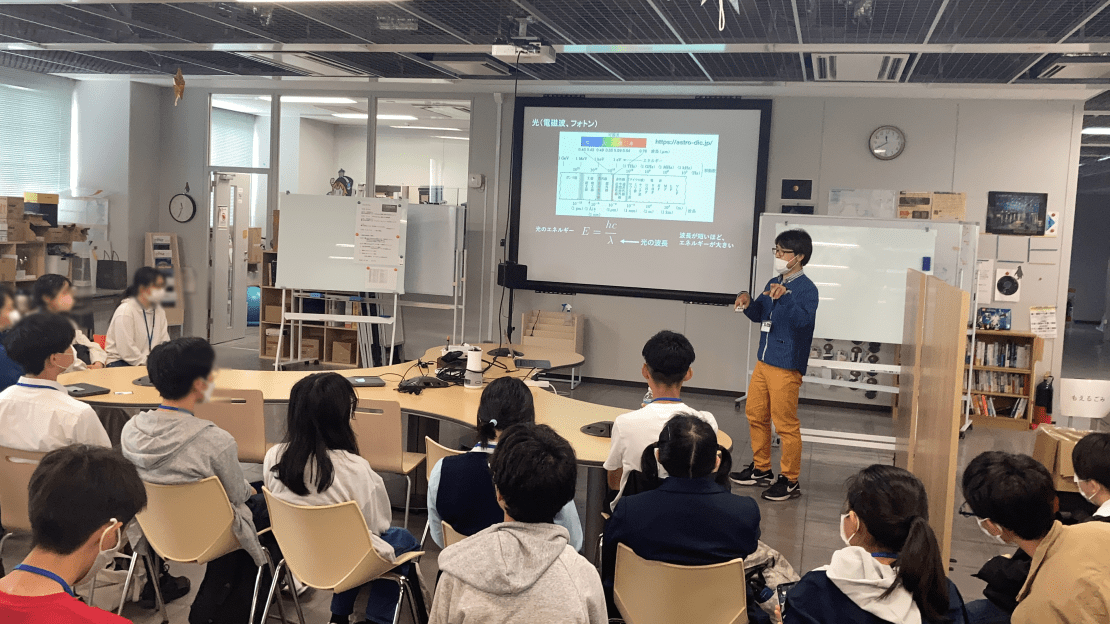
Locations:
773 396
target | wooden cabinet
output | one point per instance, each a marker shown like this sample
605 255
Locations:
559 330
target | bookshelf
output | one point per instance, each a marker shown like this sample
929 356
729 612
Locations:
1002 366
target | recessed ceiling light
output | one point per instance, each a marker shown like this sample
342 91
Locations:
398 117
309 99
1096 130
351 115
437 136
427 128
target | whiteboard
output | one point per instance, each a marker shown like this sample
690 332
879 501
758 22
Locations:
435 235
859 267
317 244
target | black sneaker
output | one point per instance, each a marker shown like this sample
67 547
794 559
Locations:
783 489
173 587
751 476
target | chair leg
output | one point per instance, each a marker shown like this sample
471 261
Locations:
401 584
257 587
127 582
293 590
151 570
424 536
417 616
408 499
274 592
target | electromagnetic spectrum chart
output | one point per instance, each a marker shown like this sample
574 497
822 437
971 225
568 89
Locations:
667 177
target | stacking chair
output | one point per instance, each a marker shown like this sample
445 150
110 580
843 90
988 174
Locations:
329 548
652 592
436 452
450 535
192 523
381 442
239 412
16 468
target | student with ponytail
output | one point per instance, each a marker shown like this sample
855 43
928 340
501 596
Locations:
460 488
692 518
890 569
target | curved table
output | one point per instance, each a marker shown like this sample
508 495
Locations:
454 404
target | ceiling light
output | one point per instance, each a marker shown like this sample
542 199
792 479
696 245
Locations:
309 99
1104 158
11 86
235 106
351 115
450 137
1098 131
398 117
427 128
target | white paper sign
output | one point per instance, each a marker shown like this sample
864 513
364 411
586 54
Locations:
378 235
1052 223
869 203
381 279
984 281
1042 321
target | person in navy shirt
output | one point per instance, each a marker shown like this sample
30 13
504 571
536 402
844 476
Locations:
10 371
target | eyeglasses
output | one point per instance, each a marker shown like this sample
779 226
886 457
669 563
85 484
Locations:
965 511
780 252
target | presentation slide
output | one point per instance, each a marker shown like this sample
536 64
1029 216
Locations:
628 199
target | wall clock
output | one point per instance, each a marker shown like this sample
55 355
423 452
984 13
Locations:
183 207
887 142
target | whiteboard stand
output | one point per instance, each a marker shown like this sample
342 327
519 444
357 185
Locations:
361 321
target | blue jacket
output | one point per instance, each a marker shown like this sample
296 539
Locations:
816 600
10 372
792 319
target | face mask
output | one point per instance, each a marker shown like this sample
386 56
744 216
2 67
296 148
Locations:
157 295
844 537
14 316
1090 499
997 538
781 266
64 304
104 557
208 391
72 353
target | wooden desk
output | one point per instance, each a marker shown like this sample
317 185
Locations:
455 404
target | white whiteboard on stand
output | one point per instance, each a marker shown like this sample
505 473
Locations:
318 244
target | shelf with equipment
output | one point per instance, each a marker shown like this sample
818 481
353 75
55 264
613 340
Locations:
1001 369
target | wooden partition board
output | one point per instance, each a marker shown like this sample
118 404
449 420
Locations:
905 416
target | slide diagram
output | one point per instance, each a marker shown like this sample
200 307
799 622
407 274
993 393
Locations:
668 177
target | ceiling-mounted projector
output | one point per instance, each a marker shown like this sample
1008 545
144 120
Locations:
529 50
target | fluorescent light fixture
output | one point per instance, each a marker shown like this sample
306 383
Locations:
457 138
396 117
19 88
1097 130
1104 158
351 115
310 99
823 244
427 128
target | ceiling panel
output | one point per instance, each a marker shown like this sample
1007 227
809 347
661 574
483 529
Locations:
93 22
390 65
1095 30
974 68
866 21
477 22
654 67
169 18
748 67
600 22
378 22
1010 21
570 67
67 63
31 25
1101 121
769 21
1100 102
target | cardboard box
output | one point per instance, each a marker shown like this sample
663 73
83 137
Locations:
7 269
1053 449
271 346
343 352
11 208
48 212
41 198
310 348
273 314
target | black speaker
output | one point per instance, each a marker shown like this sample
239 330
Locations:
511 274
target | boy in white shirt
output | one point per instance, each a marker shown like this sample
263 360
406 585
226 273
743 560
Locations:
37 413
667 359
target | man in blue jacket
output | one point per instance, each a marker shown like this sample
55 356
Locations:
786 312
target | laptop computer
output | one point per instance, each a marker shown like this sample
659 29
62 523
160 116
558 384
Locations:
366 382
81 390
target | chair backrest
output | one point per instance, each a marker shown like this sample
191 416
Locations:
652 592
450 535
377 426
16 468
239 412
327 547
436 452
190 523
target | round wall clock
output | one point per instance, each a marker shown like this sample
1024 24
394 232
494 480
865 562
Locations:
183 207
887 143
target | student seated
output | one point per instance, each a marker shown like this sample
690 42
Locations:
170 446
54 293
460 488
1014 502
1091 459
37 413
81 497
890 569
139 323
10 371
692 518
667 359
522 570
318 464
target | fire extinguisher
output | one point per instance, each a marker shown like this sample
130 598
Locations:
1042 402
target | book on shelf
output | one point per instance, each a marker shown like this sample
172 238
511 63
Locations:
1001 354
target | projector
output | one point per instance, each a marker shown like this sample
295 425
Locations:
530 51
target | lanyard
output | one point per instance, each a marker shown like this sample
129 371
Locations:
666 399
883 555
48 574
149 330
27 385
170 408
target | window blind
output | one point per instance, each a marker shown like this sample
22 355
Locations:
35 115
232 139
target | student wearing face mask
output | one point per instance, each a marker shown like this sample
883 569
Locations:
786 312
1091 460
139 323
37 413
890 569
80 498
170 446
10 370
54 293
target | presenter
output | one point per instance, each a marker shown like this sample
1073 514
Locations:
786 312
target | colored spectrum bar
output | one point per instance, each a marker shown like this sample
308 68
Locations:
613 142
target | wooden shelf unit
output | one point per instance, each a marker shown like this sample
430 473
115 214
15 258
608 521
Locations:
1035 344
552 329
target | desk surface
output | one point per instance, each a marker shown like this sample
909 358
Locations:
567 416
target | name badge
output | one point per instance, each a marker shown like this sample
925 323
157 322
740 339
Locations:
765 327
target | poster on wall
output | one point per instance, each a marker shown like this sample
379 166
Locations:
1016 214
1052 223
1042 321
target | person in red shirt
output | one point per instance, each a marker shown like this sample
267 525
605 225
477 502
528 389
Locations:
81 497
